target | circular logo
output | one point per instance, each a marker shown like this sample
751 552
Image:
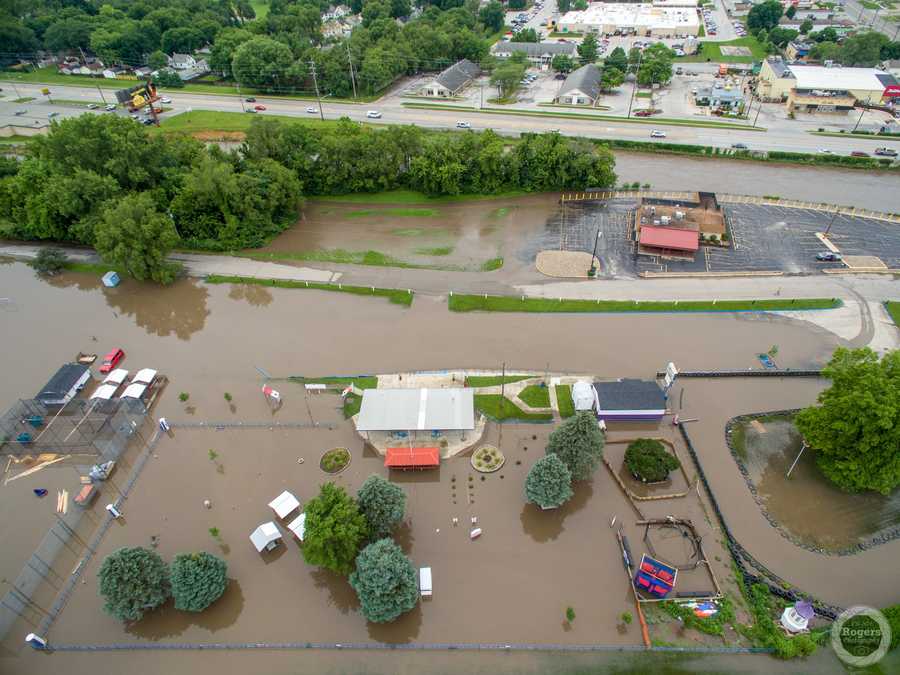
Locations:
860 636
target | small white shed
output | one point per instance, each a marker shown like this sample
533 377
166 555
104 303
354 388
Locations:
425 582
265 537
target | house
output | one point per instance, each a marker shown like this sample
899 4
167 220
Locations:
182 61
640 400
539 54
452 80
797 50
143 72
110 74
582 87
64 385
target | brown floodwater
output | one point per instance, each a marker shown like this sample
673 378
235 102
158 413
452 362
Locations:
807 505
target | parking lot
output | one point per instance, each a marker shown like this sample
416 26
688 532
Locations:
763 237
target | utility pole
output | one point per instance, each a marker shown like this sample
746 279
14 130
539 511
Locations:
352 76
240 98
312 67
856 126
759 107
100 91
634 88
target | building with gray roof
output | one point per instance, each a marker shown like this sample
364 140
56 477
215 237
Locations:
451 81
582 87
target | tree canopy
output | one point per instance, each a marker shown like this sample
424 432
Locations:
588 50
647 459
335 529
549 482
133 581
382 503
764 15
578 442
385 582
855 429
656 65
198 580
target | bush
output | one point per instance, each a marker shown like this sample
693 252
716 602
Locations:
648 460
892 614
549 482
385 582
133 581
334 530
49 261
198 580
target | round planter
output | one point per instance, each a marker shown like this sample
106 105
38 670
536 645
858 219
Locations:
334 451
479 466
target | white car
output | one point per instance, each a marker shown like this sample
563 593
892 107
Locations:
165 99
656 133
111 107
463 125
92 106
311 110
373 114
825 151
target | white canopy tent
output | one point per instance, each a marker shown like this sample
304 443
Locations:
283 504
584 396
116 377
134 391
298 526
265 537
144 376
105 392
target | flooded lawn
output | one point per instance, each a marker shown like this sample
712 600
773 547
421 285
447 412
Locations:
807 505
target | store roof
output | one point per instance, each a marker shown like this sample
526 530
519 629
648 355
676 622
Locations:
669 237
843 79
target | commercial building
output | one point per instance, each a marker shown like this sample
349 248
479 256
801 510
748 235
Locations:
719 98
675 228
413 410
64 385
539 54
822 89
582 87
451 81
639 19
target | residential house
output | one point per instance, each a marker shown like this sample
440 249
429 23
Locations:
582 87
182 61
451 81
143 72
539 54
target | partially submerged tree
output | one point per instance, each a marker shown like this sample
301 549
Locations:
385 582
49 261
549 483
579 444
198 580
334 530
133 581
855 429
647 459
382 503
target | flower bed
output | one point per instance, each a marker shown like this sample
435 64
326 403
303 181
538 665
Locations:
335 460
487 459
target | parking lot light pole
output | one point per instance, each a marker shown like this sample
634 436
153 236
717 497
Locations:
594 252
856 126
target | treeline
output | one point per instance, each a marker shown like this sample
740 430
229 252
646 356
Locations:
107 182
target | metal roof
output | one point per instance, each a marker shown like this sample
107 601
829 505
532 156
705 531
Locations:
400 458
844 79
669 237
65 379
416 409
533 49
586 79
459 74
630 395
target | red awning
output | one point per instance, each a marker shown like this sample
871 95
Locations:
669 237
415 458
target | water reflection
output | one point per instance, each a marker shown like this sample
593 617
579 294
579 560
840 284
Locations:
544 526
341 595
255 295
403 629
169 622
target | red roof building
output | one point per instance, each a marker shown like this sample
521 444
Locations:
669 238
412 458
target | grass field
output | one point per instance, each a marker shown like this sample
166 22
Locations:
15 140
410 197
209 120
536 396
893 309
345 257
501 408
361 381
260 8
399 212
506 303
564 400
493 380
396 296
709 51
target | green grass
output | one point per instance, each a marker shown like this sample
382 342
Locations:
260 7
76 103
15 140
563 35
870 137
893 308
209 120
24 99
398 297
409 196
564 400
535 396
644 94
709 51
868 4
344 257
506 303
399 212
499 408
360 382
352 404
493 380
586 116
436 251
492 264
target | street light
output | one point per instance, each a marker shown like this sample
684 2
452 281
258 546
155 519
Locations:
593 270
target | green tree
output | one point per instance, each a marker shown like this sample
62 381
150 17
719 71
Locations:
506 77
183 39
790 11
157 60
385 582
579 444
588 49
492 16
382 503
580 5
260 62
635 56
656 65
334 530
781 36
133 234
863 49
563 6
549 483
647 459
617 59
826 51
764 15
562 63
892 614
49 261
198 580
526 35
806 26
68 33
855 429
611 78
133 581
168 79
226 43
516 4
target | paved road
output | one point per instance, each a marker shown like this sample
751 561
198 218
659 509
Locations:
786 139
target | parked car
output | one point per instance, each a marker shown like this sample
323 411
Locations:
739 146
250 110
250 99
165 99
111 106
111 360
656 133
373 115
19 113
259 107
825 151
859 153
643 113
829 256
463 125
883 152
311 110
52 114
92 106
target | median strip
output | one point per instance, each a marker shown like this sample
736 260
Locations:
394 295
508 303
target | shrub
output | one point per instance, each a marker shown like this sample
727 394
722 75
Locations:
334 530
579 444
549 482
133 581
648 460
570 614
198 580
892 614
49 261
385 582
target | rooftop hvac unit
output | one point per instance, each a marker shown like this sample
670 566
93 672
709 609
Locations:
656 222
653 210
665 220
679 215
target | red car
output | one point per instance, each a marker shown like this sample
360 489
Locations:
259 107
643 113
859 153
111 360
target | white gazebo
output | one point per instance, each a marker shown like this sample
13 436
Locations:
116 377
584 396
283 504
298 526
134 391
144 376
104 392
265 537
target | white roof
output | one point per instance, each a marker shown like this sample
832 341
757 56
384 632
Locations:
820 77
264 535
116 377
105 391
134 391
283 504
425 579
298 526
416 409
631 15
144 375
584 396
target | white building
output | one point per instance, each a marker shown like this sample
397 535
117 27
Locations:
582 87
639 18
451 81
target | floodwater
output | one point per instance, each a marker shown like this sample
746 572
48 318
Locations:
807 505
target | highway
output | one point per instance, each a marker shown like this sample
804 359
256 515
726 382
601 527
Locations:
785 138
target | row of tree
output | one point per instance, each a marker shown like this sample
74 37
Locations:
107 182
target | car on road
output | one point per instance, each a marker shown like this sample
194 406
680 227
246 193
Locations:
111 106
643 113
111 360
311 110
146 121
373 115
859 153
165 99
259 107
828 256
739 146
250 110
881 152
92 106
250 99
463 125
52 114
824 151
656 133
19 113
